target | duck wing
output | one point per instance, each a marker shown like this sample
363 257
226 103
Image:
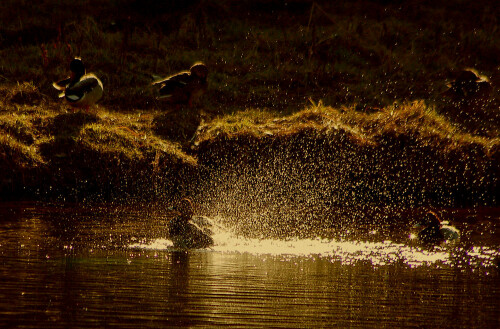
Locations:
62 84
200 237
173 84
450 232
204 224
179 77
203 221
75 92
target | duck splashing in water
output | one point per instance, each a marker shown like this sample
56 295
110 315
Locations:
185 233
436 231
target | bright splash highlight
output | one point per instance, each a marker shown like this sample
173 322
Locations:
343 251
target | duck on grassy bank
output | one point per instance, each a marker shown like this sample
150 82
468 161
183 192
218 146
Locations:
185 233
435 231
185 87
468 86
80 90
468 102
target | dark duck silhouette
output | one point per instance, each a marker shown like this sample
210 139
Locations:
80 89
184 88
469 86
187 232
468 102
435 231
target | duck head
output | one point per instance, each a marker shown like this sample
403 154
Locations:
185 208
431 228
199 70
430 219
77 68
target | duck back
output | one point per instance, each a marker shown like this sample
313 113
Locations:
449 232
85 92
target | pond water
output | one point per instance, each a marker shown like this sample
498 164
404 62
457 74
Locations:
70 266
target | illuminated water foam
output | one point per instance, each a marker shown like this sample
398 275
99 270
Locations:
344 251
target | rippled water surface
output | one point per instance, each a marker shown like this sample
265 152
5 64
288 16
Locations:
64 266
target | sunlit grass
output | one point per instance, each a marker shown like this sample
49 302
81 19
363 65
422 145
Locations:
21 154
415 119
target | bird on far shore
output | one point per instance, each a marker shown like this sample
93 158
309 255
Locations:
435 231
468 86
184 88
80 89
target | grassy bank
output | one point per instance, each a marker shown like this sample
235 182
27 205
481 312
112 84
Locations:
48 150
405 154
315 104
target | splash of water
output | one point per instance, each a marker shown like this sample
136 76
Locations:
337 250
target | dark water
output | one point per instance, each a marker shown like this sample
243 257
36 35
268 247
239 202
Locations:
101 267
